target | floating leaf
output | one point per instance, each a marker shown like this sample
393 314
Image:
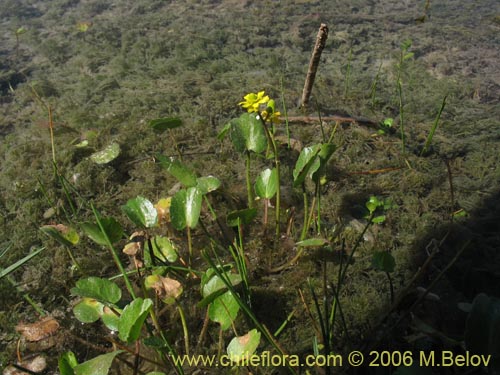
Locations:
97 366
207 184
243 217
243 347
224 310
267 183
141 212
111 227
63 234
97 288
106 155
383 261
248 133
186 207
132 319
182 173
88 310
162 124
212 283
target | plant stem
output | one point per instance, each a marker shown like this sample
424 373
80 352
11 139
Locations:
250 196
434 127
114 254
401 116
184 328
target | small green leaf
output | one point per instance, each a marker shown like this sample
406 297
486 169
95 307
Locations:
248 133
222 134
112 228
163 248
106 155
88 310
224 310
63 234
132 319
312 242
243 347
186 208
211 283
306 164
110 318
141 212
177 169
97 288
267 183
378 219
207 184
97 366
383 261
67 363
243 217
160 125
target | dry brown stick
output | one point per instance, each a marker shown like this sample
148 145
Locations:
313 64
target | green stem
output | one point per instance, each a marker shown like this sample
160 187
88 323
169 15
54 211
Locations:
114 254
184 328
248 180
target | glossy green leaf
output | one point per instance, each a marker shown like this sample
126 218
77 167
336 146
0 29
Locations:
97 288
224 310
112 228
132 319
211 283
306 164
67 363
110 318
88 310
141 212
207 184
378 219
267 183
248 133
243 347
99 365
177 169
383 261
163 248
325 153
185 208
244 217
63 234
106 155
160 125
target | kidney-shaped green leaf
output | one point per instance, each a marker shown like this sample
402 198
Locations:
113 230
177 169
248 133
100 289
185 208
132 319
224 310
207 184
141 212
243 347
267 183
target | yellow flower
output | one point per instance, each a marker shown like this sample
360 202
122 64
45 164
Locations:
274 117
253 101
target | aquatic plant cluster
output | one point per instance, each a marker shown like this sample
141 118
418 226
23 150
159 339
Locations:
148 213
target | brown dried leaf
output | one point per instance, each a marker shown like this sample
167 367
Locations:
39 330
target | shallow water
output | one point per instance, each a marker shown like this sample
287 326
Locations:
196 59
